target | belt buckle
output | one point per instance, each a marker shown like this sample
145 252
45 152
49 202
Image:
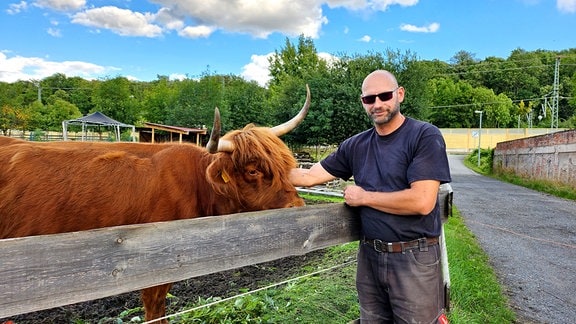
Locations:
383 247
423 244
376 245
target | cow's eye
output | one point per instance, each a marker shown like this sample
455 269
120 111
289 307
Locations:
253 172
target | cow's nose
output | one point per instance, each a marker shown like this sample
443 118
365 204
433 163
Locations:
297 203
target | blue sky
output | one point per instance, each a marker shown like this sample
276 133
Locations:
141 39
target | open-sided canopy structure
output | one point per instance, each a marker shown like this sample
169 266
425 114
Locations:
96 119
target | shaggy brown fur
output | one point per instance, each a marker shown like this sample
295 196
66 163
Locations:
48 188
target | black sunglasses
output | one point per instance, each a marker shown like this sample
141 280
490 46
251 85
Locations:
384 96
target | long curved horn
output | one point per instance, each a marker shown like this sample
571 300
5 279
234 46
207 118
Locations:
292 123
215 144
212 145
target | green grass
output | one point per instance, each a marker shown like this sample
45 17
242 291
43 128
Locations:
325 297
330 296
321 198
549 187
476 296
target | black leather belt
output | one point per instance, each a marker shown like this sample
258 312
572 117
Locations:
401 247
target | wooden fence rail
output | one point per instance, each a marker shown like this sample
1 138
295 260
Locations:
47 271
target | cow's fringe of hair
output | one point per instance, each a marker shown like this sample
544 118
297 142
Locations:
258 145
259 142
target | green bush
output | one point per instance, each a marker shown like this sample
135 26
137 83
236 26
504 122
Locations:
486 158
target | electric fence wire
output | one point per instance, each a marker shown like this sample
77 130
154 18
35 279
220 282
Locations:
342 265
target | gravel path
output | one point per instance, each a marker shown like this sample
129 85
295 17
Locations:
530 238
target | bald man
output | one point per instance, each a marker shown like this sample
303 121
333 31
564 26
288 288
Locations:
397 167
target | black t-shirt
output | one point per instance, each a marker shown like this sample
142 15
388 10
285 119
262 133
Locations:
415 151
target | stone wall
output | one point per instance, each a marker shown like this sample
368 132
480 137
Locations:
546 157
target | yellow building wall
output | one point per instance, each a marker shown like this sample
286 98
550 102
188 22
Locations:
466 139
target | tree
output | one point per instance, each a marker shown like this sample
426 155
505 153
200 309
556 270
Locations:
115 99
415 79
246 102
195 102
496 107
449 100
57 110
462 64
525 111
347 74
291 69
159 97
8 119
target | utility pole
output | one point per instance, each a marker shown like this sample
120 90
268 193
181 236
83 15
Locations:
555 94
553 105
479 133
39 86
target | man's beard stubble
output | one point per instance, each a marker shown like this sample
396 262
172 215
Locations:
387 118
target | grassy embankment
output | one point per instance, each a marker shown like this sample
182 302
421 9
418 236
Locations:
554 188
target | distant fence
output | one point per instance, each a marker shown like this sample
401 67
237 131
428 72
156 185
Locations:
51 136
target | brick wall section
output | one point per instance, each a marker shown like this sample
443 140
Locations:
545 157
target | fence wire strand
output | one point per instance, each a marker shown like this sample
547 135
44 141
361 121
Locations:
342 265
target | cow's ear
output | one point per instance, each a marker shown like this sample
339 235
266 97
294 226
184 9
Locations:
218 173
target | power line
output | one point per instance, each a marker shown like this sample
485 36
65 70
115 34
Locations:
485 103
508 61
504 61
492 103
498 70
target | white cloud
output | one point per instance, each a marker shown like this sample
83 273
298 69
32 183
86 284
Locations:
17 68
196 31
170 19
61 5
258 18
566 6
177 76
380 5
365 39
329 58
120 21
432 28
200 18
257 69
55 32
16 8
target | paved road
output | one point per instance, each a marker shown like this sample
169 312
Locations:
530 238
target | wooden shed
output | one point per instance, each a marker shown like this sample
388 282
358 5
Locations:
155 133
